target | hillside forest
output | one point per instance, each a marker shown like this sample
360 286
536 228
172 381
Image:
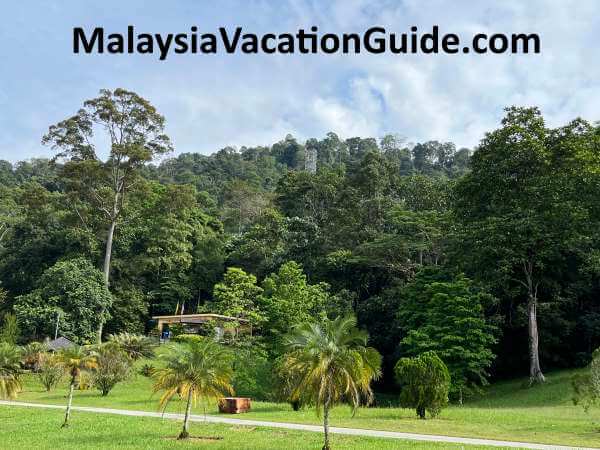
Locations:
489 256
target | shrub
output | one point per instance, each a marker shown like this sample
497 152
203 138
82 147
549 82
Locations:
33 355
10 370
253 372
586 386
134 345
188 338
10 329
112 366
50 372
425 383
147 370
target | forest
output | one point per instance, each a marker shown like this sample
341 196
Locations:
488 256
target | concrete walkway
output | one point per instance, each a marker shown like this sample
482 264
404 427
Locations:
313 428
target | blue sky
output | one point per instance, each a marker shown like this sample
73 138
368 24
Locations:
211 101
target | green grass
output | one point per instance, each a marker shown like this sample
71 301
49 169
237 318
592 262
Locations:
40 429
507 411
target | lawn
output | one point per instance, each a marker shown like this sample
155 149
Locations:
40 429
507 411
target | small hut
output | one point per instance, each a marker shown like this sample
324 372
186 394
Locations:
59 344
198 323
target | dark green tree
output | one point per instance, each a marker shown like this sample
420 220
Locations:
72 293
525 211
425 382
134 131
448 318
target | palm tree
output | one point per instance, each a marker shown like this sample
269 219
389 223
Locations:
74 359
136 346
10 369
197 370
330 363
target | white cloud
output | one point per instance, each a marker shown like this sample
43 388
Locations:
211 102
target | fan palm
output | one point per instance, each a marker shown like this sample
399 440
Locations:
74 359
10 369
135 345
197 371
329 363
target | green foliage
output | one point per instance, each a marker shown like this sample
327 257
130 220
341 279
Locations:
237 296
332 361
50 372
425 382
195 371
329 362
288 299
253 370
135 346
72 289
112 365
10 370
147 370
586 387
447 317
187 338
33 355
526 213
10 330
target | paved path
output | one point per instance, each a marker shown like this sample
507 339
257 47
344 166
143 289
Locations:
314 428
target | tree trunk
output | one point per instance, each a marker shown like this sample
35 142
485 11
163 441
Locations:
326 425
185 433
106 269
460 396
69 401
535 371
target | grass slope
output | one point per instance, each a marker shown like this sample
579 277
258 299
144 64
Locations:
507 411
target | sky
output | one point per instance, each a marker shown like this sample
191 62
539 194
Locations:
214 101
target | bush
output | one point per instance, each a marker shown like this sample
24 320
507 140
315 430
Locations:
425 383
50 372
10 370
10 329
33 355
253 372
147 370
112 366
586 386
134 345
187 338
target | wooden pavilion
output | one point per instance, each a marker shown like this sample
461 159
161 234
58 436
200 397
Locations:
202 323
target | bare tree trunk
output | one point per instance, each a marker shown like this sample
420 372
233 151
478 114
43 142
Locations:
326 425
69 401
535 371
185 433
106 269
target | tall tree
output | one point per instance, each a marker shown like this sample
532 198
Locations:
525 209
447 317
134 132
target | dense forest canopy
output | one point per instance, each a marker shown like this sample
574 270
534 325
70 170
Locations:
496 248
